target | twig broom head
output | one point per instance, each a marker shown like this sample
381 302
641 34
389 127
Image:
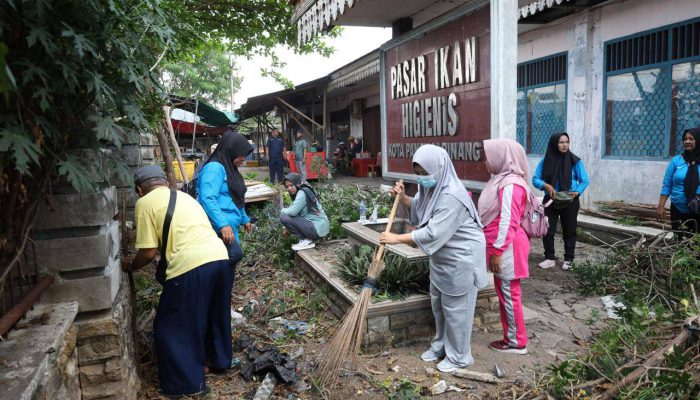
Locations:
348 337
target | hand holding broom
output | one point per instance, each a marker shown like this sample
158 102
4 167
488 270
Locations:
348 337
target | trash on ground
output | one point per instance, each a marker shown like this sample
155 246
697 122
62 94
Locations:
499 372
237 318
266 387
300 327
265 359
611 305
438 388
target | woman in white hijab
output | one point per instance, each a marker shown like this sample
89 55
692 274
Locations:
448 229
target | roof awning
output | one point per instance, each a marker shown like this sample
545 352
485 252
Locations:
544 11
207 114
187 128
368 70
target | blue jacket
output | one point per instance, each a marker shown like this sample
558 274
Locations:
673 186
579 178
212 194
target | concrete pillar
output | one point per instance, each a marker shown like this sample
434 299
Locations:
579 90
504 61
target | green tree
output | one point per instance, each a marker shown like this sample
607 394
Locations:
208 75
80 74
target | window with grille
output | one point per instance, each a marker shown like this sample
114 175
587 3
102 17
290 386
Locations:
652 86
541 105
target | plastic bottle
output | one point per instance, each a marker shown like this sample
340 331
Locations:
363 212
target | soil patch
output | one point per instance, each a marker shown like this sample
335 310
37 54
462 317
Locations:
562 323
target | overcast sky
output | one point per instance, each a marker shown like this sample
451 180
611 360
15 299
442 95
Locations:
352 44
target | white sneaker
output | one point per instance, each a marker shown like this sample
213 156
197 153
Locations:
430 355
567 265
547 264
447 366
303 245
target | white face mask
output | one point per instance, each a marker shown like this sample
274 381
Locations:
428 181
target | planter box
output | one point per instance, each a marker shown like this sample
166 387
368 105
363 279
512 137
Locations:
396 323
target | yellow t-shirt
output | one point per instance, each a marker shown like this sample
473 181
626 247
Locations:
192 241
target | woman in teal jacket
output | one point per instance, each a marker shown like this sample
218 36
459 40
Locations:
560 171
221 192
305 217
681 185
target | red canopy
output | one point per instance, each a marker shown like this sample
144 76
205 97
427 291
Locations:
187 128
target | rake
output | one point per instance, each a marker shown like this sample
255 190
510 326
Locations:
348 337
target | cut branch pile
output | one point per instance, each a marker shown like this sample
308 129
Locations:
645 214
654 350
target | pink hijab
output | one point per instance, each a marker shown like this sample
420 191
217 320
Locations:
508 164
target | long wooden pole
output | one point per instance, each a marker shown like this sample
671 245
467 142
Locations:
178 155
299 112
167 158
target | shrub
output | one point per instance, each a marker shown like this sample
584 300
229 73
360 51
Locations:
399 278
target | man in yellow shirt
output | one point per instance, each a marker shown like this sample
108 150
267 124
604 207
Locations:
192 327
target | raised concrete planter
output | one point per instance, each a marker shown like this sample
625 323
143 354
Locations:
610 232
39 358
397 323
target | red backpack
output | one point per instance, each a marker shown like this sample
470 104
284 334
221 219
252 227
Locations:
535 223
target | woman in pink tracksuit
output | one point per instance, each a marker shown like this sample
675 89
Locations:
501 208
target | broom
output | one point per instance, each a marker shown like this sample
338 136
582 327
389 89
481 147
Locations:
348 337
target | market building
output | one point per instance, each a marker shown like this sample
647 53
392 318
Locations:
621 77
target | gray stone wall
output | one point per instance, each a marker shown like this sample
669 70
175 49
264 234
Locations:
78 242
39 356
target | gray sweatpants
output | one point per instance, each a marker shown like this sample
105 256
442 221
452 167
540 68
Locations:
299 227
301 166
454 316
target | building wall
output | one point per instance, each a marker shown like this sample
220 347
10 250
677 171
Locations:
583 37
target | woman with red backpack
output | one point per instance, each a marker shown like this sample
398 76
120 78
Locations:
502 208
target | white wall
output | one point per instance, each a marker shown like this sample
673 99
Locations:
583 36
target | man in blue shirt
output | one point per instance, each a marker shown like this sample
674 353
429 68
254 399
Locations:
275 151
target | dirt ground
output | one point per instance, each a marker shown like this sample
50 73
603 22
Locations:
559 322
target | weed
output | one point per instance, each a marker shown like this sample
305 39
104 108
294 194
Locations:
406 390
250 176
593 277
628 220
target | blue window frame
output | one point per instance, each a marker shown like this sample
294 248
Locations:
541 101
652 91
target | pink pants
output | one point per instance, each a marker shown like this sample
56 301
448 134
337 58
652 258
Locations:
511 307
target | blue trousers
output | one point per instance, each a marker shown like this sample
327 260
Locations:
276 174
192 327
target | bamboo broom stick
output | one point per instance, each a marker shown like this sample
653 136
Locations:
348 337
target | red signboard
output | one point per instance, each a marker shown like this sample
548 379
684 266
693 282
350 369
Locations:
437 90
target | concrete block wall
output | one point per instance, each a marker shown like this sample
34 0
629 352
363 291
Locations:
78 242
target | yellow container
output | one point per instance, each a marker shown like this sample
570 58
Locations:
189 169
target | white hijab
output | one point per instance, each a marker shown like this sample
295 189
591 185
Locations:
437 163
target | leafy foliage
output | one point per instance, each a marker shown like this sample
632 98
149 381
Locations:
656 285
206 75
406 390
342 204
399 278
77 75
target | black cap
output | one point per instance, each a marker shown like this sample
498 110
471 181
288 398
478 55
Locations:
143 174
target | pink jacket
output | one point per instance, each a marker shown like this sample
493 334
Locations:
506 235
